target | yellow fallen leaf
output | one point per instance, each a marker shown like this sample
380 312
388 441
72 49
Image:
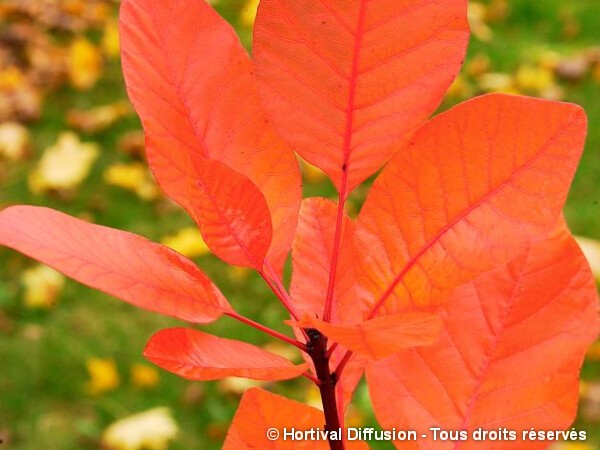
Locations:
14 141
148 430
103 374
84 63
188 242
477 21
554 92
64 165
110 39
591 250
133 177
497 82
248 13
549 59
10 78
534 79
237 386
478 65
583 388
143 376
98 118
42 286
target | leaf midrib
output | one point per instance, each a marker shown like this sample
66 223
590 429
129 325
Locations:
414 259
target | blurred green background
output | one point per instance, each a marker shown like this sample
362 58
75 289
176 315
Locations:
70 357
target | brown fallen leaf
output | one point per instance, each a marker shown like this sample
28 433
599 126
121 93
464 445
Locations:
133 144
98 118
572 69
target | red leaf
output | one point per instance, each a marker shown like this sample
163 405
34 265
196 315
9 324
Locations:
199 356
509 356
232 214
122 264
383 336
311 255
344 86
260 411
475 185
192 85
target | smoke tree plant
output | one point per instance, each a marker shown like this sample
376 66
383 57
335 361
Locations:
458 290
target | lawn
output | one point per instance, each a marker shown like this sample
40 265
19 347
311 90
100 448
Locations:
71 357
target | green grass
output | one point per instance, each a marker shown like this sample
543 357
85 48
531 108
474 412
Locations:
43 398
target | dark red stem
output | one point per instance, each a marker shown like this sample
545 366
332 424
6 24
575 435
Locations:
317 349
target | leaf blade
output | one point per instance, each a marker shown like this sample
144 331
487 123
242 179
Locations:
192 110
378 338
200 356
334 74
125 265
232 214
260 410
312 252
467 380
467 209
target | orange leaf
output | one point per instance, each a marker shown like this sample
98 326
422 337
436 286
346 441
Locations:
232 214
348 382
311 255
199 356
145 274
475 185
260 411
191 83
345 86
509 356
383 336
